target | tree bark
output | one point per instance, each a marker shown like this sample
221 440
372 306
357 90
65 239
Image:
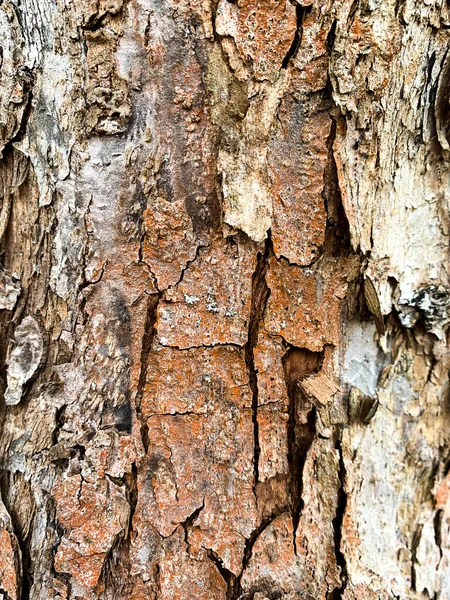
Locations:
224 299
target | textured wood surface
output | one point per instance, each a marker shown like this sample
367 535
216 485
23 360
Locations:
224 299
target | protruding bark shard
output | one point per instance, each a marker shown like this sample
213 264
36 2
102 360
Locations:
25 357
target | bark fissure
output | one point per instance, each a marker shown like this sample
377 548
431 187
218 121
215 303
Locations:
229 578
298 364
260 296
147 341
300 12
213 417
337 232
188 264
414 544
132 492
190 520
236 590
338 523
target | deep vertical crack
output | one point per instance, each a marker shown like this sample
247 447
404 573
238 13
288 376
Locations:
337 234
230 578
131 479
147 340
414 545
234 591
338 522
260 296
132 490
300 12
299 363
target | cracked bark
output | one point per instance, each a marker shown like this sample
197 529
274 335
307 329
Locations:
224 300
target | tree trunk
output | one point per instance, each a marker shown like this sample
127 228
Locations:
224 299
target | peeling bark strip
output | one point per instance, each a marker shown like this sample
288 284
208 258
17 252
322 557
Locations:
224 300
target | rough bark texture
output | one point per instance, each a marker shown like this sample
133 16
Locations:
224 299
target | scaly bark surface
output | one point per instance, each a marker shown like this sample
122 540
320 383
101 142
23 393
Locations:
224 299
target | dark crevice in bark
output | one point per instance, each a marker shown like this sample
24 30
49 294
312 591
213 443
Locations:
58 533
147 340
193 347
337 234
143 262
440 104
300 12
235 589
308 265
430 90
331 37
59 423
119 481
338 522
27 576
352 13
188 264
132 491
84 283
300 438
399 8
229 577
414 544
260 296
437 523
298 364
96 22
190 520
113 573
27 80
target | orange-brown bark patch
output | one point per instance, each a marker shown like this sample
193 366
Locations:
297 158
305 304
211 305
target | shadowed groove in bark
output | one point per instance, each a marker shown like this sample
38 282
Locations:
229 577
113 574
337 233
299 363
415 540
338 521
121 548
331 37
300 12
190 520
399 8
260 296
437 523
132 490
352 12
147 340
234 591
